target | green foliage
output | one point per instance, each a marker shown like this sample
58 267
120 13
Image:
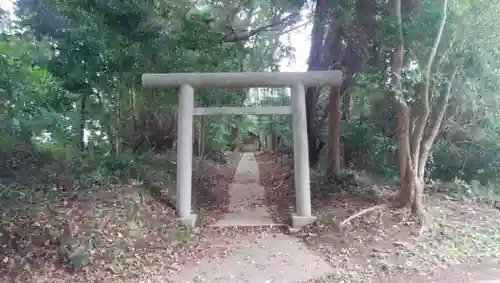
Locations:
218 132
280 123
82 68
33 99
467 161
369 149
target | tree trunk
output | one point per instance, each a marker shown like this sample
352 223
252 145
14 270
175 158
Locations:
346 105
106 124
201 138
277 133
312 139
133 107
315 55
333 48
411 190
117 121
346 115
334 132
269 142
414 147
83 122
412 186
236 144
436 122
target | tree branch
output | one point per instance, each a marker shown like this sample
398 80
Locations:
428 140
402 109
421 120
245 35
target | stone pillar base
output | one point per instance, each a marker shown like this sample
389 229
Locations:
299 222
189 221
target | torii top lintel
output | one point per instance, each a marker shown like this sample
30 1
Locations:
243 79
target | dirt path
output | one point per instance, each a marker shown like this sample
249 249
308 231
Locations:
246 204
256 256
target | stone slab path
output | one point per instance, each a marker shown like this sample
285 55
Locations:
246 205
256 257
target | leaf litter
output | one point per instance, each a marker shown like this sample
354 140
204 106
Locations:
122 236
384 246
119 234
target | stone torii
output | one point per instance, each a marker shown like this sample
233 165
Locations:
297 81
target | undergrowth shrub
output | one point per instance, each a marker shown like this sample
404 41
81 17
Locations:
28 172
38 182
463 190
365 147
465 160
459 163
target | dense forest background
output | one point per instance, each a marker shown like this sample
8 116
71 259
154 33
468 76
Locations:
72 98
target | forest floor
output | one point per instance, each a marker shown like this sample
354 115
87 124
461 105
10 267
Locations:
119 235
461 245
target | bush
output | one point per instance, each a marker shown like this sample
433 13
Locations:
365 147
29 172
466 161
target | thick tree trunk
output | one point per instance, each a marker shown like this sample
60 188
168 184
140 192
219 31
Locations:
334 132
269 142
315 56
235 136
412 184
411 190
237 140
346 115
332 51
312 138
414 147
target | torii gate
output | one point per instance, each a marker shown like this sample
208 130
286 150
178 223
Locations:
298 81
